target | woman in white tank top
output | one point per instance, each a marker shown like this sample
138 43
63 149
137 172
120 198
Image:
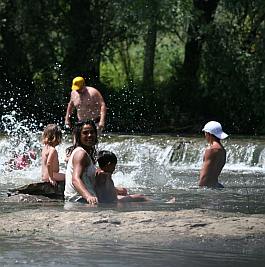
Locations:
80 173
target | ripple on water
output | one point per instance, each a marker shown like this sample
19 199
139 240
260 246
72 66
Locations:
30 251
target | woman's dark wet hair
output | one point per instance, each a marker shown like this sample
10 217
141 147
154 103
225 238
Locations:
106 157
77 138
78 128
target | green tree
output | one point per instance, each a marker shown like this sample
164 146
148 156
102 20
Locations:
233 66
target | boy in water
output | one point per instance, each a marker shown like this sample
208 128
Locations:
51 137
105 190
215 155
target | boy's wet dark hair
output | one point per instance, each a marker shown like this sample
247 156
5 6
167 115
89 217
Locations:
106 157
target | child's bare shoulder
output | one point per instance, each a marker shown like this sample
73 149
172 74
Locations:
101 176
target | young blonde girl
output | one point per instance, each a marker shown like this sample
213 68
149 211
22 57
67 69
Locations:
51 137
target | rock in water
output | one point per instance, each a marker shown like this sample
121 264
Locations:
41 189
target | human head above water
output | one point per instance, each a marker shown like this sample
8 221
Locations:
78 130
52 134
78 83
214 128
105 158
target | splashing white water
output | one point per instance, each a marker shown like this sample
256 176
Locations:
20 138
142 161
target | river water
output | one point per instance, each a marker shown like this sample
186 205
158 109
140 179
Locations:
160 167
163 167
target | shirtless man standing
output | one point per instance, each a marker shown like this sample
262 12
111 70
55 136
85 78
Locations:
89 104
215 155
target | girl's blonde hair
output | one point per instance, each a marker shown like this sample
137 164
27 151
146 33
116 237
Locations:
51 134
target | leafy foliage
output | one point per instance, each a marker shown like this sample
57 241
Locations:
162 66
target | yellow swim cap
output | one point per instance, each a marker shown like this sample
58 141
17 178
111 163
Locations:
78 83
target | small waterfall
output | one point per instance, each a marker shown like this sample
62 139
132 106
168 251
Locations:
185 153
261 158
147 161
245 156
168 152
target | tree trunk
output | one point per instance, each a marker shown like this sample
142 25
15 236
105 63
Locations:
126 61
203 14
150 46
85 39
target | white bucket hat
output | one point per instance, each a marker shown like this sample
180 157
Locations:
214 128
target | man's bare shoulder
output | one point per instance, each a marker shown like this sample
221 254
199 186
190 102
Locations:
93 90
214 150
73 94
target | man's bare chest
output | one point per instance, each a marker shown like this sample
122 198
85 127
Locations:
81 101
